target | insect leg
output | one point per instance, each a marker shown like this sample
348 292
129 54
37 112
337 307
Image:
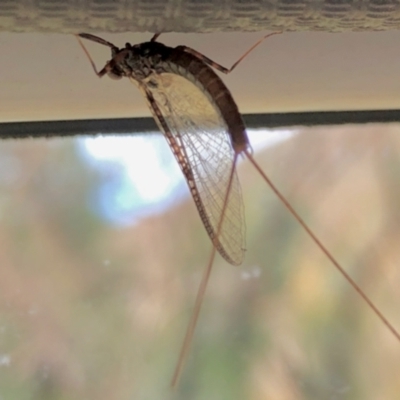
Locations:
96 39
91 37
155 37
219 67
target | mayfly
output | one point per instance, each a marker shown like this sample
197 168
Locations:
206 133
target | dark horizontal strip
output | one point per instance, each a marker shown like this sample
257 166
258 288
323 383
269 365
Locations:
131 126
85 127
320 118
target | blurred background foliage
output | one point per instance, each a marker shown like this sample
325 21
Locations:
91 310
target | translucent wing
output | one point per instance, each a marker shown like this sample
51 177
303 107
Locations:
199 139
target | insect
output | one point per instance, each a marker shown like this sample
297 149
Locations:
206 133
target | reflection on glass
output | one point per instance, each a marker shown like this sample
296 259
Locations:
147 179
96 284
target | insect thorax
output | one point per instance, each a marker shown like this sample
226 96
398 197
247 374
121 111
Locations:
142 60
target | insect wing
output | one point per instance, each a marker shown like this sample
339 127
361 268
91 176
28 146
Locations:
200 140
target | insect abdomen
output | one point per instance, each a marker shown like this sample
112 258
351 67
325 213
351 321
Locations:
203 76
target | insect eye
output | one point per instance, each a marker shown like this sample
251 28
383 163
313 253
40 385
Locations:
113 75
128 45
